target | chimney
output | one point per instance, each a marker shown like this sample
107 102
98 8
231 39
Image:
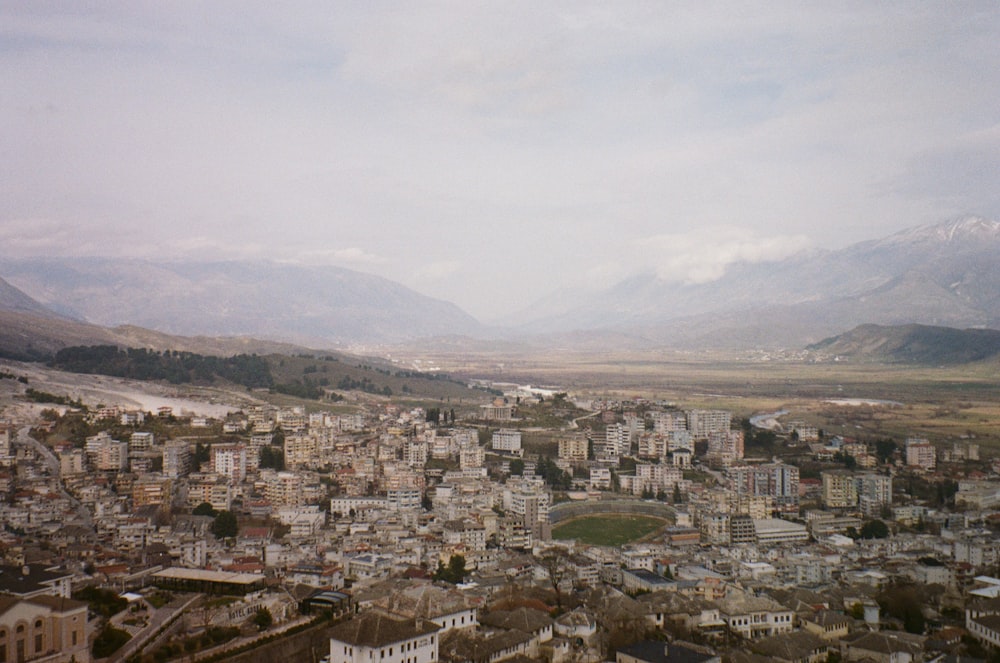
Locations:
25 570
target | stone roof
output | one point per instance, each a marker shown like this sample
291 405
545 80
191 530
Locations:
655 651
374 629
528 620
793 646
478 647
423 599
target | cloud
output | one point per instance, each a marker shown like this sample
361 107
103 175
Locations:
703 255
351 255
437 271
545 140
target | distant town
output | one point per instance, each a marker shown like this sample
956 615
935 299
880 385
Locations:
533 526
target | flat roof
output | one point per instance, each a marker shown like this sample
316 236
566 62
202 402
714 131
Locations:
174 573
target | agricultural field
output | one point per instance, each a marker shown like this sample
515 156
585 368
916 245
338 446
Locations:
867 400
608 530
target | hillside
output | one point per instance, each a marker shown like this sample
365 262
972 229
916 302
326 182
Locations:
945 274
306 305
914 344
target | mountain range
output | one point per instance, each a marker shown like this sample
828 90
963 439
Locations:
912 344
946 274
317 306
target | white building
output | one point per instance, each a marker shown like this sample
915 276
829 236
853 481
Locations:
507 441
374 636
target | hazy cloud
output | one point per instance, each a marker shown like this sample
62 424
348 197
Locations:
704 254
548 144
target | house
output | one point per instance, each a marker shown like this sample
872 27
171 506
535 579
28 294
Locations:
827 624
34 580
449 608
374 636
794 647
527 620
754 617
654 651
43 628
883 647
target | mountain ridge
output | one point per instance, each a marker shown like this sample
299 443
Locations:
917 344
304 305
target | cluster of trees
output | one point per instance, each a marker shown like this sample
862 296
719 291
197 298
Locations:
272 457
36 396
364 384
454 572
438 416
174 366
225 525
675 497
554 476
307 389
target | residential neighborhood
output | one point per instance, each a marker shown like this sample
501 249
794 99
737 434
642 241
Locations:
415 535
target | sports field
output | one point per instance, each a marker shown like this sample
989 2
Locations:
607 530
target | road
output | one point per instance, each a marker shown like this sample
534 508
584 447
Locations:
52 464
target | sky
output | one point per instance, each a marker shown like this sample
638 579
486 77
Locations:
491 153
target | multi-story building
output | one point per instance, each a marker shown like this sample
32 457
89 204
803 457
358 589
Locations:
140 441
574 449
725 447
300 450
840 489
600 478
617 435
529 500
282 488
151 489
176 459
507 441
210 488
874 493
703 422
230 460
776 480
667 422
658 477
920 453
471 456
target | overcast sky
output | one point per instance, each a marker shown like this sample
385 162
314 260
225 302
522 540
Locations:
490 153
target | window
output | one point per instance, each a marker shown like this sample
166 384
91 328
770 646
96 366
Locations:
38 642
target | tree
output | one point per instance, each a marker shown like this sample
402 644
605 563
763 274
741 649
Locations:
874 529
885 449
204 509
454 572
678 498
426 501
272 457
554 563
262 619
225 525
517 467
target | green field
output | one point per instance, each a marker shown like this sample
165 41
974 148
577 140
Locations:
607 530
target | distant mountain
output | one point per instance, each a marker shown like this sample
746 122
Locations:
36 337
317 306
944 274
917 344
12 299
